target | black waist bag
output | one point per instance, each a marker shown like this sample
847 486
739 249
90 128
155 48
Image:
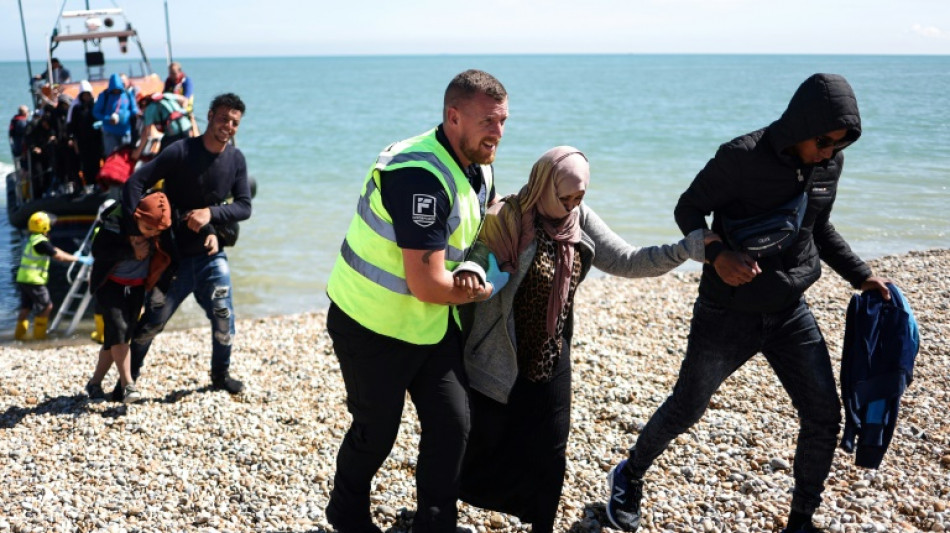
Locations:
769 233
227 233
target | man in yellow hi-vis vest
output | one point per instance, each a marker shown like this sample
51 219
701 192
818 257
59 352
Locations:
393 293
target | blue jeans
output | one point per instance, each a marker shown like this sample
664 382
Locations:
721 341
209 279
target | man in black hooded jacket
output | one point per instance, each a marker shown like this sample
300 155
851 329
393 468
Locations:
749 305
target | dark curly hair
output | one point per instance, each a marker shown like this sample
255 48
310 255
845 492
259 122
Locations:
227 101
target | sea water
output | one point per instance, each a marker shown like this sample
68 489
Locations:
648 124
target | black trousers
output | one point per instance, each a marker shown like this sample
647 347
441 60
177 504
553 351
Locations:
378 371
516 455
720 342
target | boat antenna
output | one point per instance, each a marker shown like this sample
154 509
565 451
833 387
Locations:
168 36
53 44
29 67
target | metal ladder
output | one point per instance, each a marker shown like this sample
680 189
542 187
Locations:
78 282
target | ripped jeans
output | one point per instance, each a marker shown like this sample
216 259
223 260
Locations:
209 279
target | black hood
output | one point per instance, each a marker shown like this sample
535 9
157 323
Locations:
822 103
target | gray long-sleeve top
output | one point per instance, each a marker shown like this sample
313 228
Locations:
490 349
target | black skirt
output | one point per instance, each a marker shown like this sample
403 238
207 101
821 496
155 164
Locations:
515 459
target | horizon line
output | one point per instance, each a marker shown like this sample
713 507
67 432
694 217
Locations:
532 54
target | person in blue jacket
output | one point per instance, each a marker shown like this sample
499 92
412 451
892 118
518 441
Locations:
749 302
115 107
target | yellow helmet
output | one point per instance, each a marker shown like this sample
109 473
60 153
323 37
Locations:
39 222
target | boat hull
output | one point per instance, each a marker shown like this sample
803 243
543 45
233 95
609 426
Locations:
77 210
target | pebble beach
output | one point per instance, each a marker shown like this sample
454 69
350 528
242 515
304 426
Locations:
191 459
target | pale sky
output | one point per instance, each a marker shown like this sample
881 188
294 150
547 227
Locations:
217 28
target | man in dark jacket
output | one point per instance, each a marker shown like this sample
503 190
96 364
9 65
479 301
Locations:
84 138
200 173
748 305
17 132
39 151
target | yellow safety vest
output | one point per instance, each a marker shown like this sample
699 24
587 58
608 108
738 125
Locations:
34 267
368 281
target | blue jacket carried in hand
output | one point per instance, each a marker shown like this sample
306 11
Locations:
881 341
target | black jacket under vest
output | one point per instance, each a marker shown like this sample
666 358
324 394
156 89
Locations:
753 174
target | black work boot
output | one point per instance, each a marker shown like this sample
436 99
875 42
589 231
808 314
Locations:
224 381
344 524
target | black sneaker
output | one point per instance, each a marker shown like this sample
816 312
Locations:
224 381
623 507
118 393
95 392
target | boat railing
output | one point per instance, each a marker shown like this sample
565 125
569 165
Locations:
92 36
79 13
98 26
93 25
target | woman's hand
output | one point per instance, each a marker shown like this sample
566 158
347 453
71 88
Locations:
470 282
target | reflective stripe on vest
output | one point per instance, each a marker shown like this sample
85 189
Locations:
385 229
34 267
372 272
368 279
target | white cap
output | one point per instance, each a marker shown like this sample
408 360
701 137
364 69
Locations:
85 87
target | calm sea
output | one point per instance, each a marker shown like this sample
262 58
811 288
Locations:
648 123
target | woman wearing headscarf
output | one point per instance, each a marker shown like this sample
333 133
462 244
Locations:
517 352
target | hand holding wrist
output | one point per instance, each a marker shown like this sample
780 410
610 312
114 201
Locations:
713 249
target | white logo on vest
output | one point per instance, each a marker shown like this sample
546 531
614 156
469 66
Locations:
423 210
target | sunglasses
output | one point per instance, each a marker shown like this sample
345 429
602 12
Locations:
823 142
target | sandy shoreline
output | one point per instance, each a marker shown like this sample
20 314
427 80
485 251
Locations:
191 459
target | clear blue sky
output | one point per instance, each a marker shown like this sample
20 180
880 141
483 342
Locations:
215 28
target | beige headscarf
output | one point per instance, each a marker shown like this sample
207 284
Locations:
509 226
